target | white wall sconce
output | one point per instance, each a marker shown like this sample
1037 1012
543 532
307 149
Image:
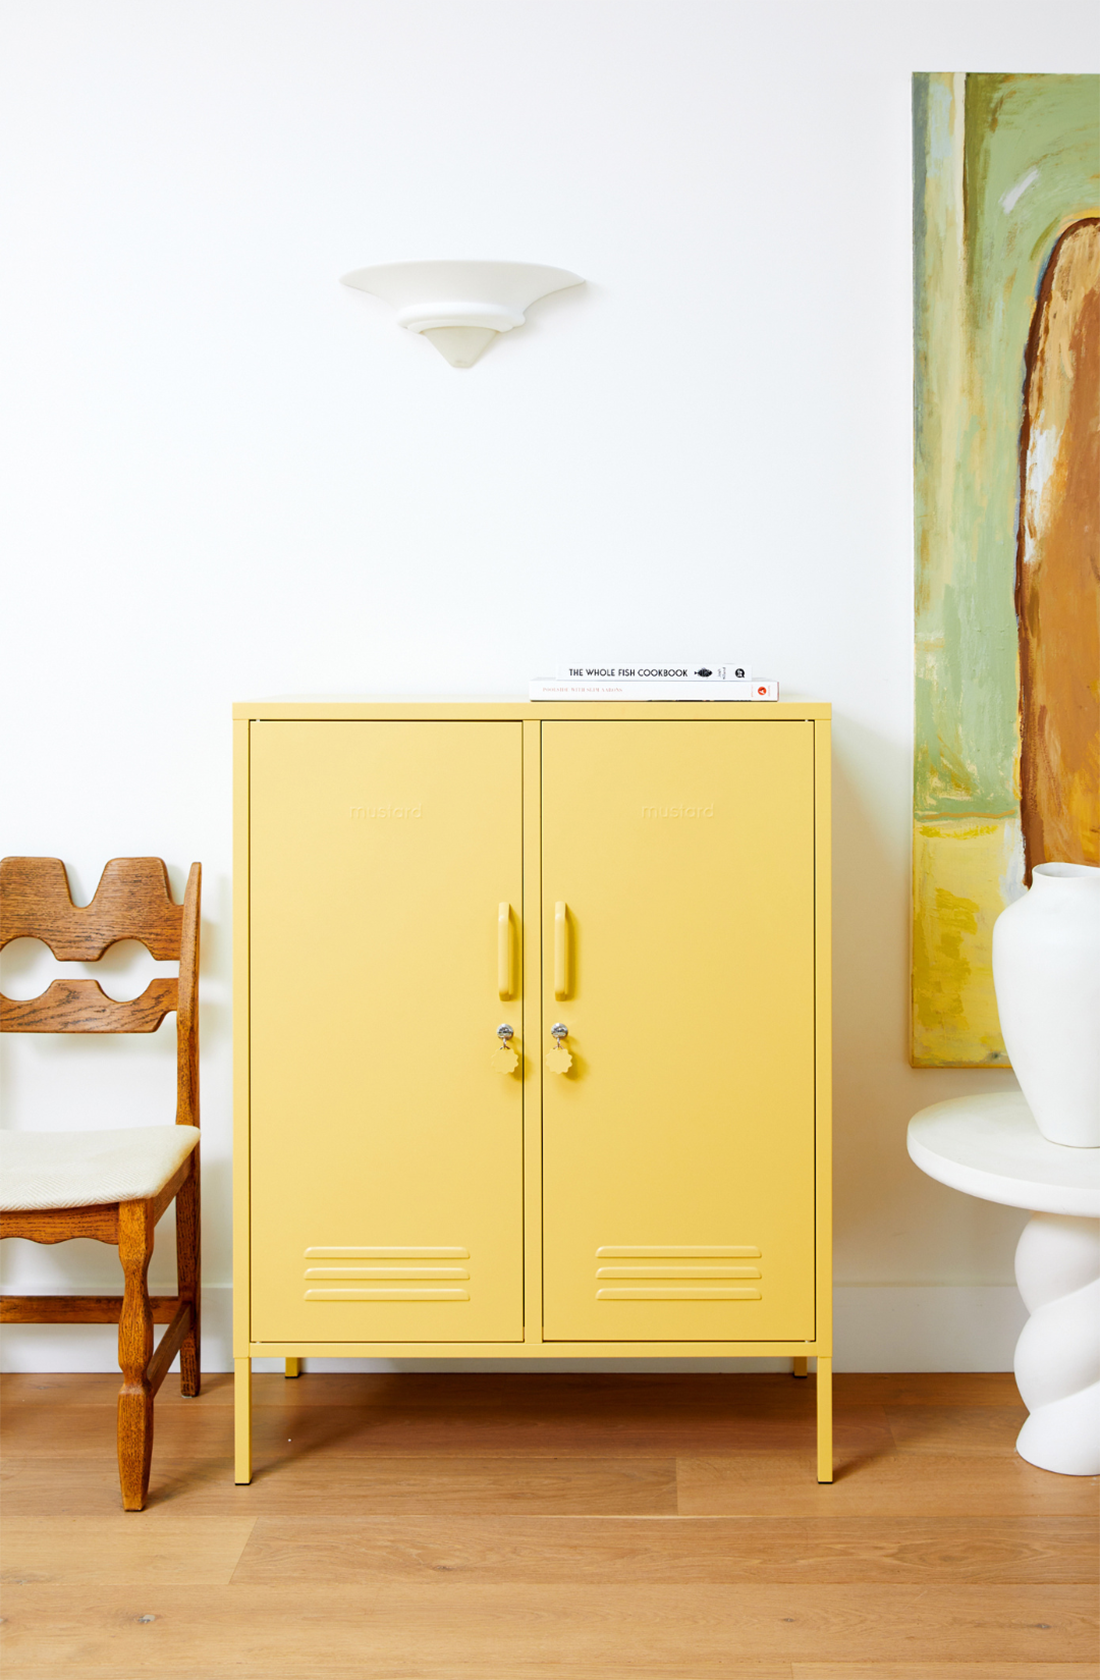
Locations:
461 306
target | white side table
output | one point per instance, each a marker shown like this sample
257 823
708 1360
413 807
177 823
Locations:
990 1147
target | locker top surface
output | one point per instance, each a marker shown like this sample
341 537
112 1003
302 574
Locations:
318 709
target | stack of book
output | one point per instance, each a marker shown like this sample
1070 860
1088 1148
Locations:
647 680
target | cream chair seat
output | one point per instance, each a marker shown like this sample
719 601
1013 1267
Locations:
86 1169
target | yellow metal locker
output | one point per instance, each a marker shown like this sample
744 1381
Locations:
652 880
678 1151
386 1159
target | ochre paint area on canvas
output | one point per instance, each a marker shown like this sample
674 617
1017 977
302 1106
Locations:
963 870
1058 566
1006 177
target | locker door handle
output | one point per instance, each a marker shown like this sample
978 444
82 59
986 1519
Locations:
504 951
561 950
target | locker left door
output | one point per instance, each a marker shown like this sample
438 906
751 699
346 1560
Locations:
386 1150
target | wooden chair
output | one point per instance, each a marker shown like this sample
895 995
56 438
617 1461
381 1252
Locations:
112 1185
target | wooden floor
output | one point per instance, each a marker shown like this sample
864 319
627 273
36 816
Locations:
533 1526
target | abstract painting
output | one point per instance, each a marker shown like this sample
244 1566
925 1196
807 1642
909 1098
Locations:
1006 175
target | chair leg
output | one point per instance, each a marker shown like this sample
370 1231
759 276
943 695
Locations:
136 1234
189 1276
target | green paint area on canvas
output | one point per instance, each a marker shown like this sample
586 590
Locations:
1004 168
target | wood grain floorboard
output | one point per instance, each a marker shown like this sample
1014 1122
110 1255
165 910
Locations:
455 1669
591 1393
946 1671
930 1388
972 1430
331 1485
522 1550
447 1623
93 1551
371 1432
398 1413
913 1484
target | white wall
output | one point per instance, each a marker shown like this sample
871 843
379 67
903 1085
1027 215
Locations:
229 476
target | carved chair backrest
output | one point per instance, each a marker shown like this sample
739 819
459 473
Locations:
132 901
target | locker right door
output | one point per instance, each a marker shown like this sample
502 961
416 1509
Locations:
678 927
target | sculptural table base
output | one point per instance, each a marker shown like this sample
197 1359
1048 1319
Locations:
990 1146
1058 1354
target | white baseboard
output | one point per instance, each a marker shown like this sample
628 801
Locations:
879 1327
926 1327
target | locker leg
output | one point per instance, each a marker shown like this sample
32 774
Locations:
242 1420
824 1419
293 1367
801 1366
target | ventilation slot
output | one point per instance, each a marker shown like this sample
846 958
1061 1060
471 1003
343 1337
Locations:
387 1274
678 1273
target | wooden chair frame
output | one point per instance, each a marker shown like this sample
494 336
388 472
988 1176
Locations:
133 901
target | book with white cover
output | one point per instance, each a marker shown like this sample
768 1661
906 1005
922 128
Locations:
563 688
649 670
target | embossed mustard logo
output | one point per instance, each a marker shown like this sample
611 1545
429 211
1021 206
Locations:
390 811
677 810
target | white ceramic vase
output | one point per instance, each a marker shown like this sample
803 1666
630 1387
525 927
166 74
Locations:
1046 972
